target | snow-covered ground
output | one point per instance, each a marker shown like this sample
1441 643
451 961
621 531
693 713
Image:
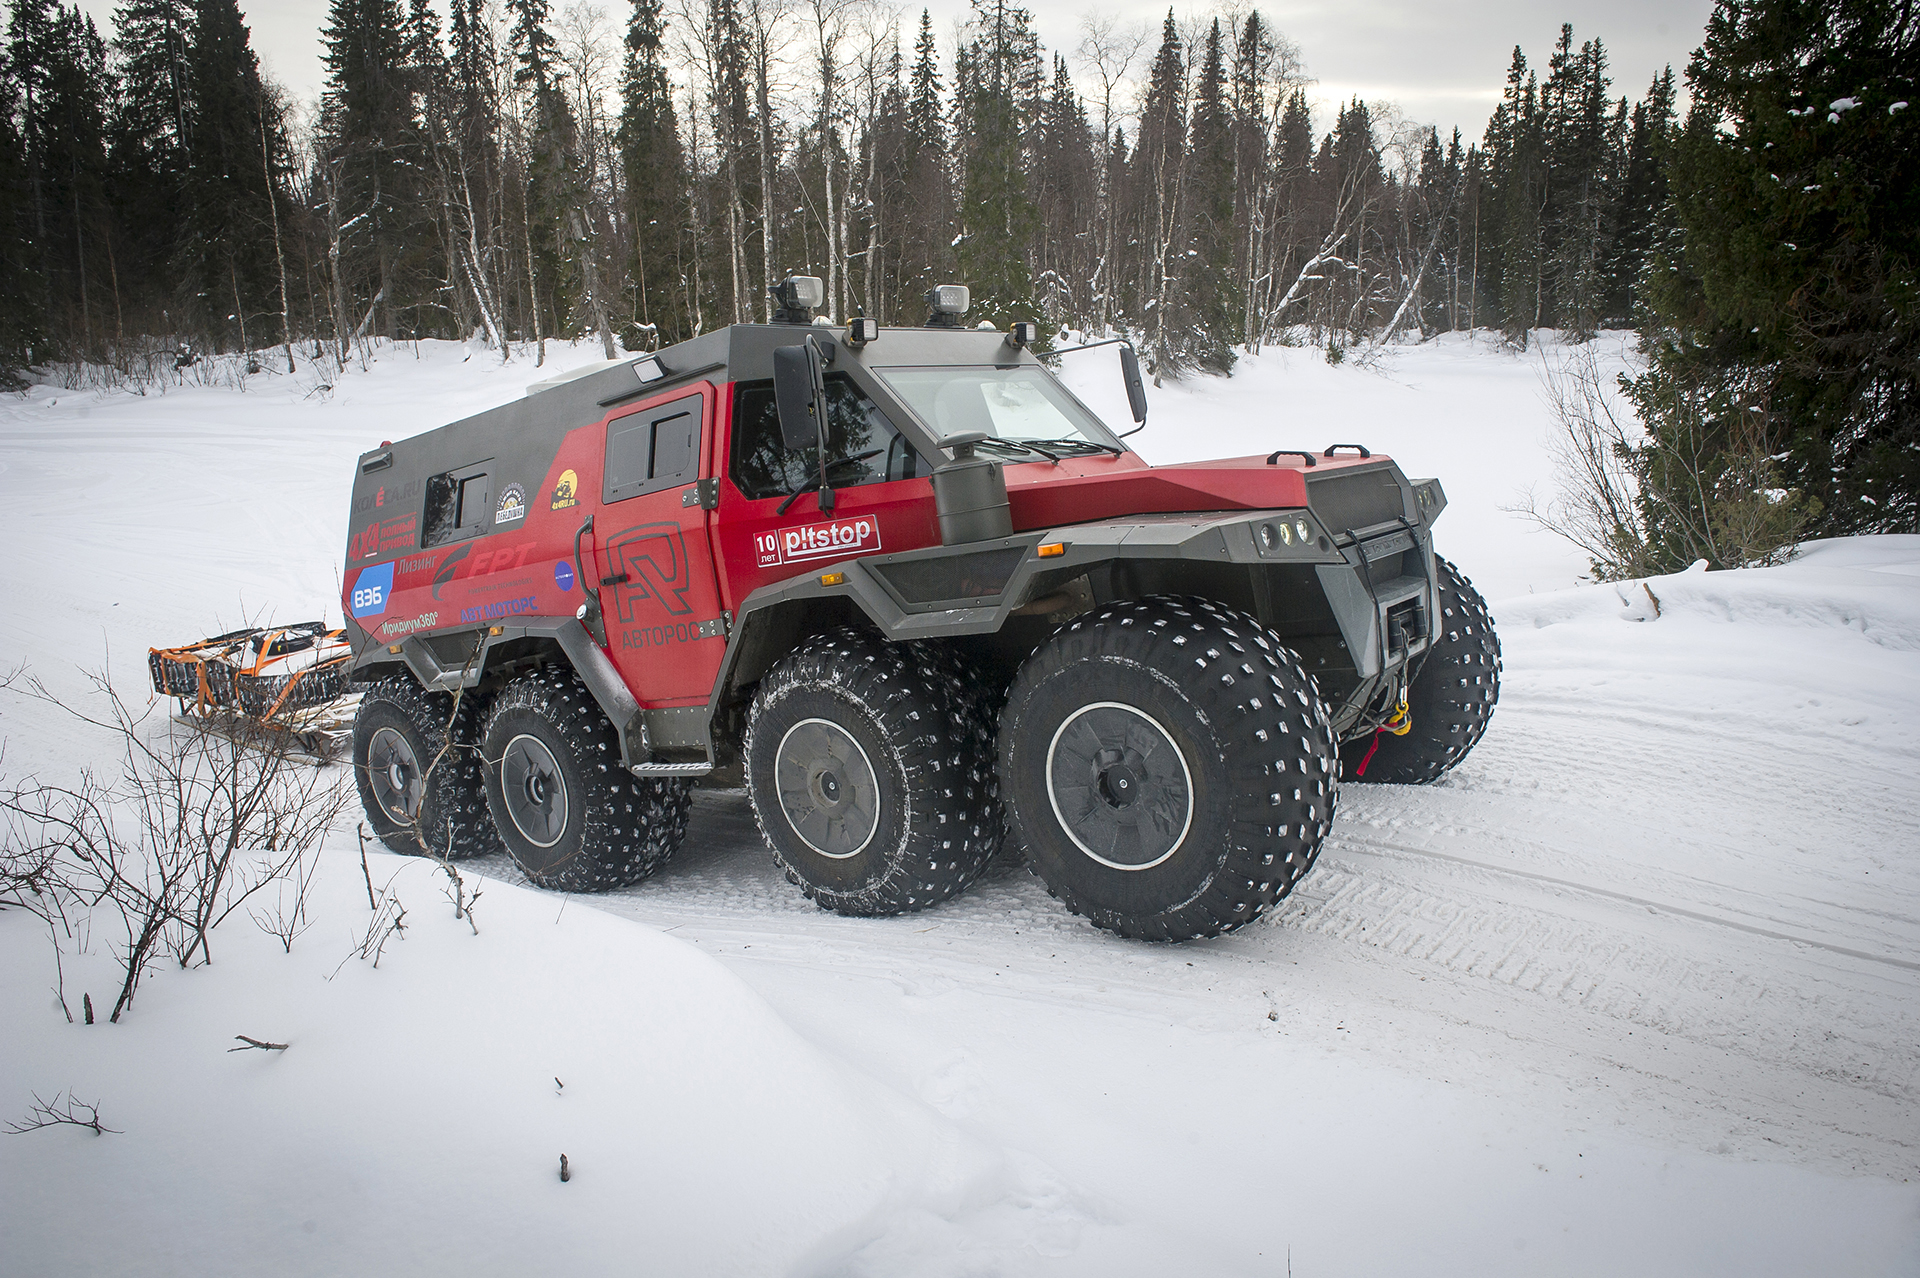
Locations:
1636 990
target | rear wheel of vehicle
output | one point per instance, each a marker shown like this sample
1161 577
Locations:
570 815
1452 696
416 763
1168 766
869 777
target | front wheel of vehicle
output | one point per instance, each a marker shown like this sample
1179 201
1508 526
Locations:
1168 766
571 816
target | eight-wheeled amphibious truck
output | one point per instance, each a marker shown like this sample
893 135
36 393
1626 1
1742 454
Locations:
919 600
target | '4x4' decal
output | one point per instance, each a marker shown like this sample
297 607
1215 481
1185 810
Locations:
653 558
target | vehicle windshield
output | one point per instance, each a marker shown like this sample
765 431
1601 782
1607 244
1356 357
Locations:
1019 405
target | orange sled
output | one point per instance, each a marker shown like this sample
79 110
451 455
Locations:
292 679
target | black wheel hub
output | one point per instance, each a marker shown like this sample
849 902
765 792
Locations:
393 774
535 791
828 790
1119 785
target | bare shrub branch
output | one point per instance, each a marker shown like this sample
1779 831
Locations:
196 825
61 1112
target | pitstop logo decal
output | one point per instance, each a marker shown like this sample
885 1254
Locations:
838 539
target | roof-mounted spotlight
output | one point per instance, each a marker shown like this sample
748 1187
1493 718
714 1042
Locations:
1022 333
947 302
861 331
798 296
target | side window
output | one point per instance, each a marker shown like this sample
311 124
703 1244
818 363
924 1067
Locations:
863 446
653 449
459 505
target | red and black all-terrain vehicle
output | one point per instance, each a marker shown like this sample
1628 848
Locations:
917 598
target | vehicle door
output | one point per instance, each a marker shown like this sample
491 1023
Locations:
652 558
883 500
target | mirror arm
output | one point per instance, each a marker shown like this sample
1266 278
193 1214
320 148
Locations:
815 367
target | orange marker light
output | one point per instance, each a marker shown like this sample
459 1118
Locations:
1051 549
833 578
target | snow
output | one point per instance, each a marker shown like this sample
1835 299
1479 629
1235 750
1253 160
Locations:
1634 990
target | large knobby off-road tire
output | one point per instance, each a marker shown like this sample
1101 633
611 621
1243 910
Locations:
1452 696
1168 766
416 761
570 815
871 773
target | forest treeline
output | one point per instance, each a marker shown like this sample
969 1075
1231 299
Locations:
493 167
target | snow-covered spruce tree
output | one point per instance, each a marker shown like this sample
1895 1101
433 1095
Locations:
656 185
226 257
1579 132
57 66
370 144
1159 164
997 217
1640 203
1064 195
925 250
1788 318
148 127
1210 293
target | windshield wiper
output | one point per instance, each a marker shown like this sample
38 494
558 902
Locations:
1087 443
1016 445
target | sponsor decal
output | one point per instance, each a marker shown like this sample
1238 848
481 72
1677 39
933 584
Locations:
837 539
499 608
468 562
563 575
659 636
371 590
420 564
383 496
385 538
653 557
513 505
566 492
450 568
394 629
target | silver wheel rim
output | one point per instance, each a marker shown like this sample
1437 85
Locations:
827 787
1119 785
535 790
393 774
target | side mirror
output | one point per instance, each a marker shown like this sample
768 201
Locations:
1130 373
799 393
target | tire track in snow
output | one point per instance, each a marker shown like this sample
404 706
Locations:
1382 846
1843 1015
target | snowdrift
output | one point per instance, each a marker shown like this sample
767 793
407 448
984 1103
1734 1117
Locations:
416 1119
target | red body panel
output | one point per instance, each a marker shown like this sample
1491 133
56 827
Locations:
1083 490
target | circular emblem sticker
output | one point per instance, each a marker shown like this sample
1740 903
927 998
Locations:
566 491
513 505
563 575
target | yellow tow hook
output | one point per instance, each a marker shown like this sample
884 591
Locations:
1400 723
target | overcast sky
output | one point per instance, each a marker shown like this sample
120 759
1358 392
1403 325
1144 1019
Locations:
1441 62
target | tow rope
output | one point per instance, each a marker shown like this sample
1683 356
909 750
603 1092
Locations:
1400 724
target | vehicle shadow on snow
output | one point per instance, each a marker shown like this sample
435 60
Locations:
724 870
